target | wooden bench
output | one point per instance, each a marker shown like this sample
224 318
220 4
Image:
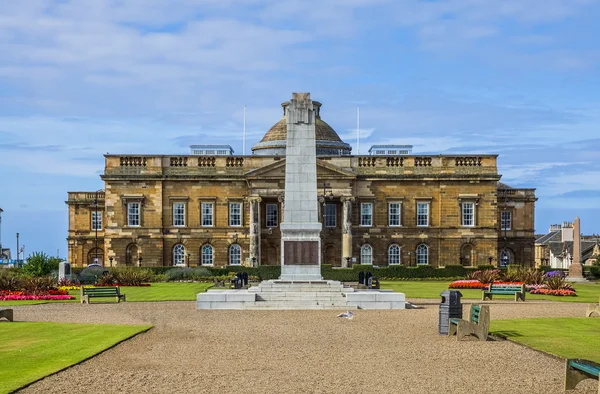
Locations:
93 292
577 370
518 290
7 313
478 324
593 308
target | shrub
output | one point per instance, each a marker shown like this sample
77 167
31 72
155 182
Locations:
532 276
486 267
9 281
198 273
107 279
40 264
64 282
487 276
37 285
90 275
555 280
131 276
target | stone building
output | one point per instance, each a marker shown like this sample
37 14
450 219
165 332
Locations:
556 248
377 209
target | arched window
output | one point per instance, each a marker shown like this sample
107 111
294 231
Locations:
179 255
394 254
96 256
131 255
366 254
235 255
207 255
422 254
504 258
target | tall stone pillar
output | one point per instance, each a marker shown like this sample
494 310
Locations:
346 230
300 229
575 269
254 230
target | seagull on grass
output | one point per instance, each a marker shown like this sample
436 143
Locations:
347 315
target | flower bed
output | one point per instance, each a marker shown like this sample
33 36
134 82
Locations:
68 288
558 293
21 296
477 285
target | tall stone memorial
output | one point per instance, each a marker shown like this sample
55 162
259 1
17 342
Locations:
576 269
300 229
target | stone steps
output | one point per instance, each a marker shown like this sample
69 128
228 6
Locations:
300 297
304 306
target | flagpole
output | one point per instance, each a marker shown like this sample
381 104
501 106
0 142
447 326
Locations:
357 130
244 144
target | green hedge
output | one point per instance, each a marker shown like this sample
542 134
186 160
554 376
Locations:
395 271
594 271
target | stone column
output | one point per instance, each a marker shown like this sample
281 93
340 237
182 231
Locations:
300 229
254 254
575 269
346 229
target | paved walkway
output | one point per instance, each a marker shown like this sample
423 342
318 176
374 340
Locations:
191 351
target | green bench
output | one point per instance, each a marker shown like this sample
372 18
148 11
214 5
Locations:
577 370
593 308
478 324
6 313
93 292
518 290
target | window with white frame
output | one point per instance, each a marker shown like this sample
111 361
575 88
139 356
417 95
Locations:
394 255
235 254
133 214
235 214
97 220
330 215
468 214
207 214
422 254
366 214
207 255
506 220
423 214
179 214
272 215
366 254
179 255
394 214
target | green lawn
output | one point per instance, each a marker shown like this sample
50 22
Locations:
31 351
431 289
568 337
168 291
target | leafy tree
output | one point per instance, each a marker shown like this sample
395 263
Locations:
40 264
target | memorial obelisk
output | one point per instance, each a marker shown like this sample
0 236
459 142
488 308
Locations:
300 229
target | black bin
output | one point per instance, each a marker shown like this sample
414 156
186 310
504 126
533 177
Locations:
236 283
450 308
361 278
373 283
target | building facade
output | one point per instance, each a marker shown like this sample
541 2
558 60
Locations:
189 210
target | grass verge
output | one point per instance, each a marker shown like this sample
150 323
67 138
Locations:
432 289
167 291
568 337
31 351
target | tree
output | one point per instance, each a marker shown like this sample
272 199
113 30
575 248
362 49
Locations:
40 264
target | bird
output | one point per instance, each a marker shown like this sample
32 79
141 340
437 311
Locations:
347 315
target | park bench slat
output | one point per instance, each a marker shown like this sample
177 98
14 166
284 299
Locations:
517 290
587 368
478 324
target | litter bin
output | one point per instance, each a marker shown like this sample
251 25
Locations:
450 308
361 278
373 283
236 283
245 278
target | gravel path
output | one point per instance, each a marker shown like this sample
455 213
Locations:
191 351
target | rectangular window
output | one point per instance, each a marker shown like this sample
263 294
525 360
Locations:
179 214
133 214
366 214
468 214
207 214
97 220
272 215
394 214
330 215
506 220
235 214
422 214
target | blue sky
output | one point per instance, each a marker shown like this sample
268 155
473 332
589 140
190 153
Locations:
520 78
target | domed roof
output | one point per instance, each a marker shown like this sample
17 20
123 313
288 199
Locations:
323 132
327 141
